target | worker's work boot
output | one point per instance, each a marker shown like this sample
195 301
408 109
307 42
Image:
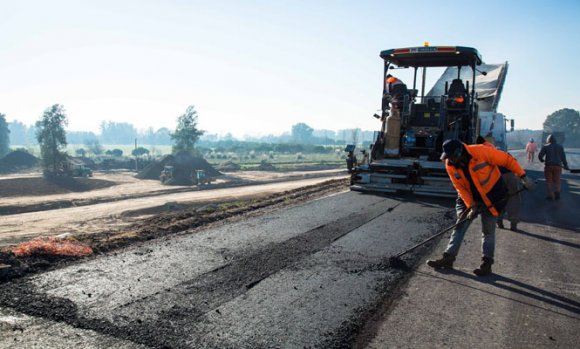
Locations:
485 267
500 224
514 226
445 262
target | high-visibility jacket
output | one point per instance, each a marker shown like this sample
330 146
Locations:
485 174
531 147
391 83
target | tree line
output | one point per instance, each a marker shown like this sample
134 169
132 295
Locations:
567 120
50 134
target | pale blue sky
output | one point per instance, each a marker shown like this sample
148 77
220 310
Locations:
258 67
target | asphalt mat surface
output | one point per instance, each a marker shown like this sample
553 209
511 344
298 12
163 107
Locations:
532 300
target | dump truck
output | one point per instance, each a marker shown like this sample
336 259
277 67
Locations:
405 154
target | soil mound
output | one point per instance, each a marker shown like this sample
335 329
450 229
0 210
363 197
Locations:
17 160
229 166
35 186
183 163
266 166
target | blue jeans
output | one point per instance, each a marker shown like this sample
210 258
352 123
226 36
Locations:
488 222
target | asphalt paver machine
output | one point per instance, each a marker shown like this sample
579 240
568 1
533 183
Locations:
405 155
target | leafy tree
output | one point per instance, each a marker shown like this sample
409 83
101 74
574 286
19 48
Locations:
302 133
51 136
19 133
564 120
94 146
163 136
4 136
186 134
115 152
140 151
118 133
80 137
81 152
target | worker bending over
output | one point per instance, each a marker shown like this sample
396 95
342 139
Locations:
474 172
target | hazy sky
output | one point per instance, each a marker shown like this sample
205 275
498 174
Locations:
258 67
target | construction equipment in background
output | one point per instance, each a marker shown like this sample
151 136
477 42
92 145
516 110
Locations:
80 170
166 176
170 175
462 104
200 177
70 167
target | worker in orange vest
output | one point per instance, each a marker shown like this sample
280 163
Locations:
474 172
531 149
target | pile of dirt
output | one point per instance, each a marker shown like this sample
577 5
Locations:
16 161
184 164
34 186
229 166
266 166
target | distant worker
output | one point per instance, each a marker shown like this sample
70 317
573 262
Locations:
395 91
514 200
555 160
474 172
531 149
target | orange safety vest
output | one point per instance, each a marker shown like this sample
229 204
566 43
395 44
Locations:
391 82
531 147
485 174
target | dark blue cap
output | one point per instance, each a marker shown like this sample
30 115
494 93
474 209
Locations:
451 147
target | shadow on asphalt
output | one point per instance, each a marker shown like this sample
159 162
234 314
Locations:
516 287
561 213
548 239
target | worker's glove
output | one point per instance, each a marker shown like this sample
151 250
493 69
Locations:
527 182
472 213
541 160
566 168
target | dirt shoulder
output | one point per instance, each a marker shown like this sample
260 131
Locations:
124 219
33 193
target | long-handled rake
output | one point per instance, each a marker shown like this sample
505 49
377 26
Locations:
397 262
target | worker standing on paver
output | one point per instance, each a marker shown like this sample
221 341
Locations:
531 149
555 160
395 91
474 172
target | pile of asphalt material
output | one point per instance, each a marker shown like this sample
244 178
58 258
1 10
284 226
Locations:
17 161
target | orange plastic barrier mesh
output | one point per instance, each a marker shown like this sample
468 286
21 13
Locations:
52 245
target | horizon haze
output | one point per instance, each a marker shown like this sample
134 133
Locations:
253 68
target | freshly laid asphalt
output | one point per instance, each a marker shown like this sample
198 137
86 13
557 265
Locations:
315 276
532 299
